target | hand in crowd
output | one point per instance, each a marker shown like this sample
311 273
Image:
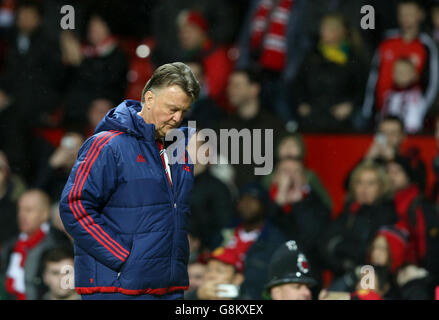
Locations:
380 148
342 111
4 100
209 291
70 49
65 155
410 273
304 109
290 181
333 295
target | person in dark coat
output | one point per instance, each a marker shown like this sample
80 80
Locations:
212 206
29 86
298 211
328 85
243 92
96 69
254 239
344 244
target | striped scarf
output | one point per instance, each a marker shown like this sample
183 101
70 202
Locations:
269 29
15 277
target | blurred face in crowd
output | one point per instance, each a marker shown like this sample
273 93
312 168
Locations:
379 254
98 31
33 210
332 31
393 133
197 70
291 291
410 16
220 272
289 147
53 278
97 111
250 209
294 170
240 90
165 108
28 19
366 187
190 35
3 171
398 179
196 273
404 74
435 17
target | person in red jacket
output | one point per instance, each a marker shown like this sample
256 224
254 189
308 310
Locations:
196 43
407 42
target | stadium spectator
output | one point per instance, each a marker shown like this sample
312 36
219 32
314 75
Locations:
21 256
293 146
54 174
344 244
96 69
11 187
223 268
407 42
388 251
405 98
211 203
387 145
327 102
205 111
57 267
254 239
415 283
299 213
273 37
196 44
96 112
243 93
29 85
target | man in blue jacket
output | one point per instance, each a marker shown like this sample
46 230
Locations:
124 205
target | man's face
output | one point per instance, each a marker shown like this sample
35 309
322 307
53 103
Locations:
379 255
166 107
240 90
410 16
397 177
28 19
219 272
97 111
393 132
54 277
250 209
366 188
191 36
291 291
294 170
31 213
97 31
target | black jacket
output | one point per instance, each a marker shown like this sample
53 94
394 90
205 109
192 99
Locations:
344 244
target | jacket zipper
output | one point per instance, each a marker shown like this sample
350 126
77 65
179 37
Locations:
171 192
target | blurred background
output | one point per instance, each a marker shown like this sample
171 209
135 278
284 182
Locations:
355 115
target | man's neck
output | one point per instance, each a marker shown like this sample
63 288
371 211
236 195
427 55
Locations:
72 296
410 34
249 110
252 226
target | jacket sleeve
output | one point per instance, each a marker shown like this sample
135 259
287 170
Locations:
92 181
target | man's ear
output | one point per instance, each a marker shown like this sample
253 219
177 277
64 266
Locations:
149 99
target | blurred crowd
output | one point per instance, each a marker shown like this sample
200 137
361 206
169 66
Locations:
294 66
